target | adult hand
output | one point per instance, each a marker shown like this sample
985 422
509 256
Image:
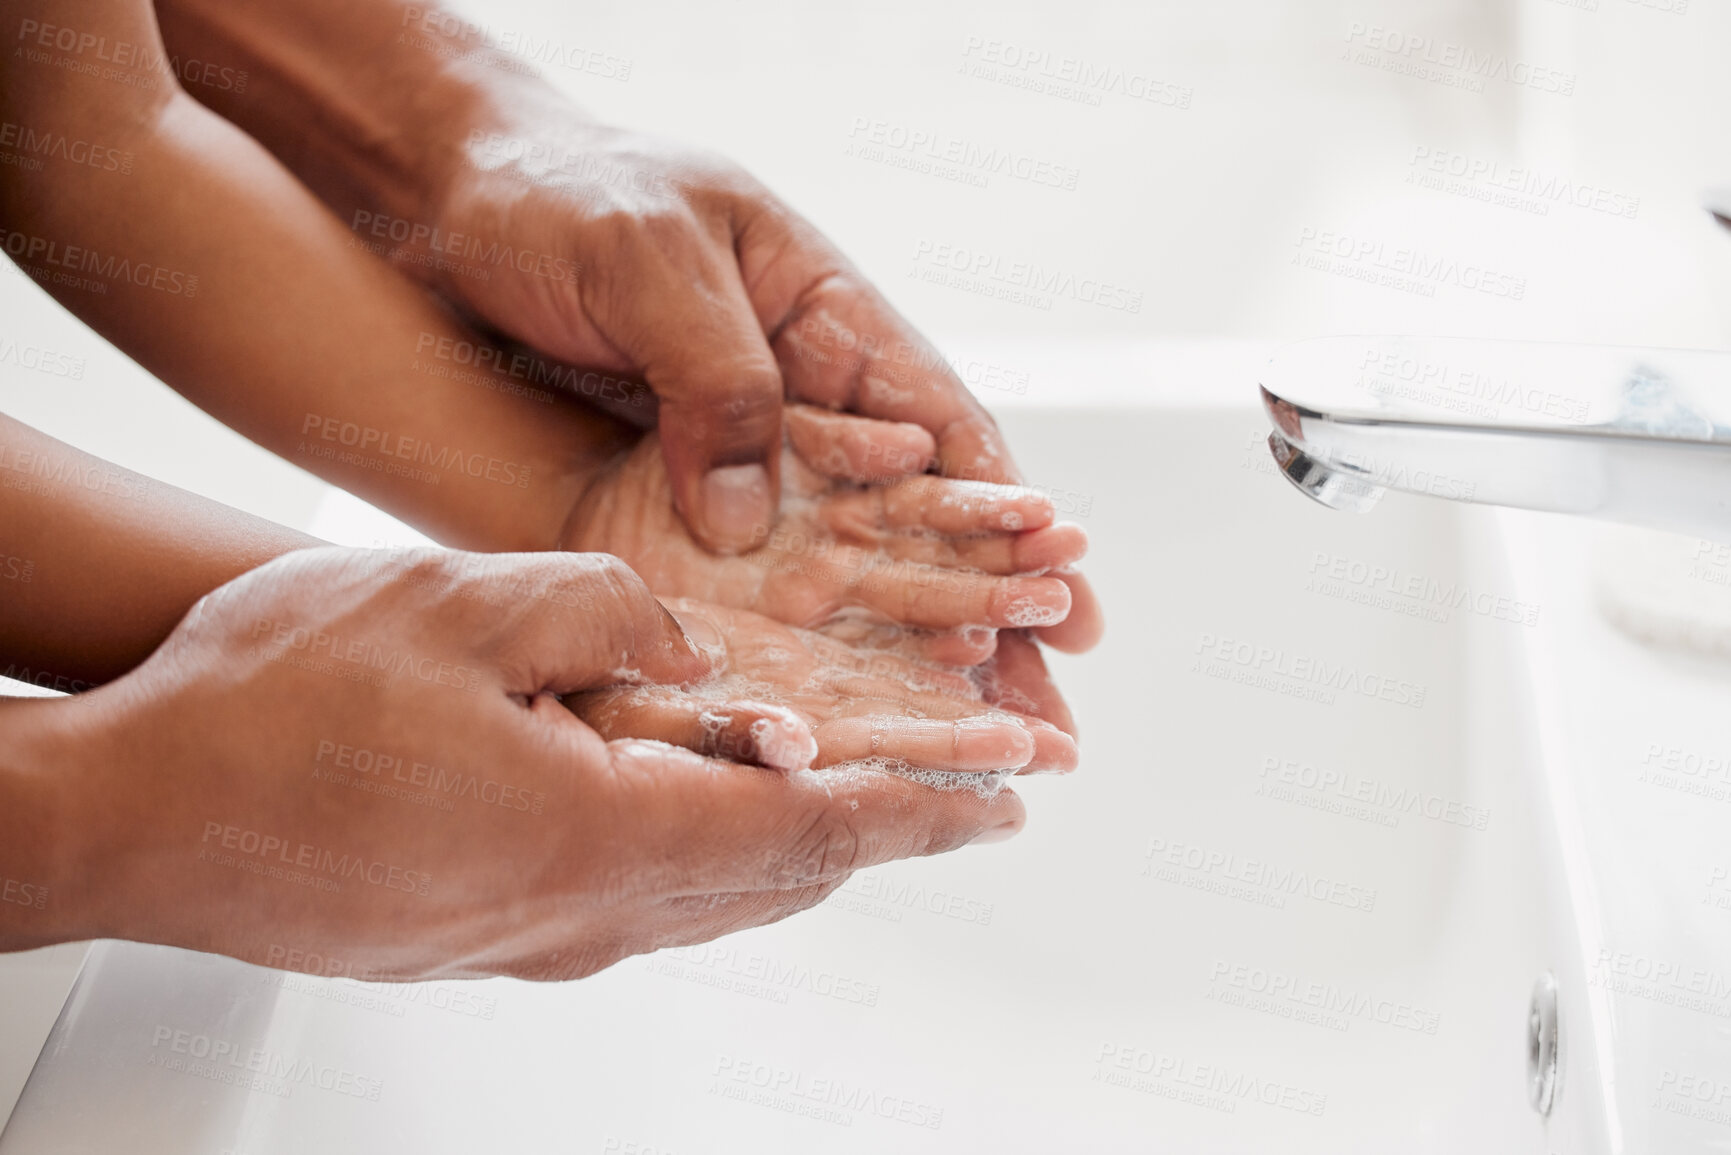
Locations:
603 248
363 755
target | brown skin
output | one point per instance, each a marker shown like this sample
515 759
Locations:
317 349
294 333
692 276
117 801
859 703
835 547
108 577
101 795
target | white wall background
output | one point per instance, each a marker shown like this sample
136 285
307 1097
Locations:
1200 209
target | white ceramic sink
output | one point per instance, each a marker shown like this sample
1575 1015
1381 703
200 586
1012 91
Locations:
1324 839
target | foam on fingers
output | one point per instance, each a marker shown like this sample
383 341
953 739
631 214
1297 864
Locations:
976 744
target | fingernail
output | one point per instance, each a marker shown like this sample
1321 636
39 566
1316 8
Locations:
1002 832
736 505
784 743
698 628
999 738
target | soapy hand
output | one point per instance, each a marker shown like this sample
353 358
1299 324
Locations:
922 551
792 699
363 755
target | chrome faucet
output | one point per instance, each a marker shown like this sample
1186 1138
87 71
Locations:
1632 435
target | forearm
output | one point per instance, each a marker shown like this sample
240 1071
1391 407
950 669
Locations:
41 889
100 563
216 270
370 102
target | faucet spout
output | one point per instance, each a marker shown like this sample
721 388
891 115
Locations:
1634 435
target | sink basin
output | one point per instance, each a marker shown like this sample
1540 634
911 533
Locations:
1349 790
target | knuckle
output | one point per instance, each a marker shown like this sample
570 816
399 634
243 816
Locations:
826 846
607 575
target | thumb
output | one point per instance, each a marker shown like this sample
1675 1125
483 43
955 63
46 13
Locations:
721 395
584 620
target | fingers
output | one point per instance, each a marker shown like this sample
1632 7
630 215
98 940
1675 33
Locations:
1055 752
843 346
717 827
889 673
848 448
754 733
575 621
963 646
1086 624
936 598
1016 679
703 351
1035 552
980 743
939 505
1040 551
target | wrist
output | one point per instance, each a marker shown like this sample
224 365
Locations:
46 880
508 134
